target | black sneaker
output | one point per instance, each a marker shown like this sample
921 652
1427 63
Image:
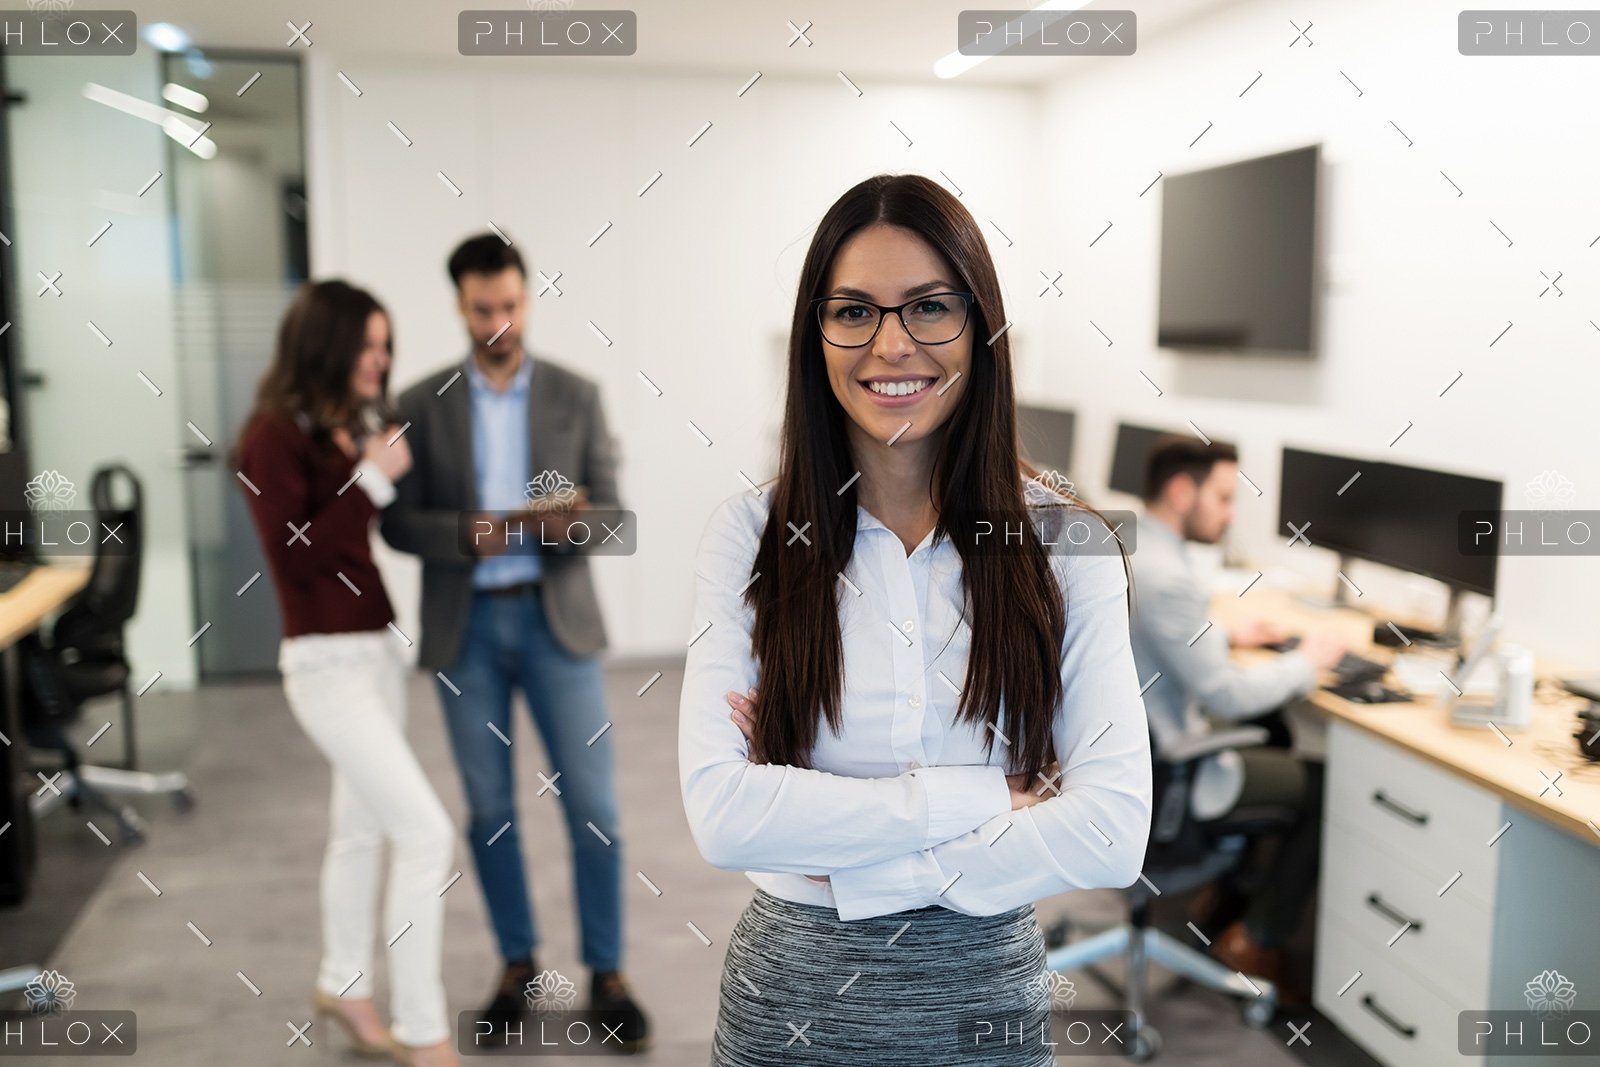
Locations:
610 998
509 1006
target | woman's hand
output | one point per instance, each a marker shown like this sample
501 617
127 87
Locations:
393 460
743 715
1027 789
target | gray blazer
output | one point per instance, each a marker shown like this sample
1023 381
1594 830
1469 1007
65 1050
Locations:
567 433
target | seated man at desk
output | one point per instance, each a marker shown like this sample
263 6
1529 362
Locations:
1188 496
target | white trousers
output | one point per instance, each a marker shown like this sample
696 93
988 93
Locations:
347 691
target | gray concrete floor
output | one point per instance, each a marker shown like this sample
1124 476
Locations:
243 865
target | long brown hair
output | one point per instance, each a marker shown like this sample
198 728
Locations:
320 338
1012 603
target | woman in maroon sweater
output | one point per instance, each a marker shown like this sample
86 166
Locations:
317 461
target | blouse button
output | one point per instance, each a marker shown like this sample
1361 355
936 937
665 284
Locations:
915 701
909 625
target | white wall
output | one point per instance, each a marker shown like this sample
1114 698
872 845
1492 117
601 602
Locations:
694 283
1420 280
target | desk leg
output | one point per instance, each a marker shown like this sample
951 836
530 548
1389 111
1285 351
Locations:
18 849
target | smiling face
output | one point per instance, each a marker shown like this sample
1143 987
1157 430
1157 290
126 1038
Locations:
366 377
895 379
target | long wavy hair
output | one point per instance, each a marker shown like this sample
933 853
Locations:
319 340
1012 603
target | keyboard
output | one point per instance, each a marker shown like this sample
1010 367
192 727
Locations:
12 572
1370 692
1351 668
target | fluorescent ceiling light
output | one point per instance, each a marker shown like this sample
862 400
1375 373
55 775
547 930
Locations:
955 64
132 105
181 128
202 146
164 37
185 97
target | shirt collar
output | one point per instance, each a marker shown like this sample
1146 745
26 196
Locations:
519 381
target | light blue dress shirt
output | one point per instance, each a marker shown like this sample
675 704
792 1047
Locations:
500 465
1186 669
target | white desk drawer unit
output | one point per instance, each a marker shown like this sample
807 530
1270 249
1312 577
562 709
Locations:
1396 832
1396 910
1399 1020
1440 820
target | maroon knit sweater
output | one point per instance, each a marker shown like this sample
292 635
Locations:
298 482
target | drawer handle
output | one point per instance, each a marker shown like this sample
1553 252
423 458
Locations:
1382 907
1384 800
1386 1019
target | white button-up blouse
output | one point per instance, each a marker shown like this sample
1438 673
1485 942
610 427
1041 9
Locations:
903 809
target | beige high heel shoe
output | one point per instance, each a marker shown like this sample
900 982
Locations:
326 1004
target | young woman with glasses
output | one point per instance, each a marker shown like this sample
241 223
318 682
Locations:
905 734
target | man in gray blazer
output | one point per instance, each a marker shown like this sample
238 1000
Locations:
491 435
1189 489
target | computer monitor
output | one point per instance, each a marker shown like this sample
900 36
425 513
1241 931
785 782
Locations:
1238 258
1046 436
1399 516
1130 457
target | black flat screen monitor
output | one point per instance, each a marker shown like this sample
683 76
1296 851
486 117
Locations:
1404 517
1238 247
1130 456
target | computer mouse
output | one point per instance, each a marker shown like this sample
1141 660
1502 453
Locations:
1371 692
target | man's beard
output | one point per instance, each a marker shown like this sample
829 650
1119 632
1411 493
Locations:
1190 533
500 351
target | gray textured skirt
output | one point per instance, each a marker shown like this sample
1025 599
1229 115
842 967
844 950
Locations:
912 989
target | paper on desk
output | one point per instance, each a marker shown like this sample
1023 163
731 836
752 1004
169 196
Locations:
1420 672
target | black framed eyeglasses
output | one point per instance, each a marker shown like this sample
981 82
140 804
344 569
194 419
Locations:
933 319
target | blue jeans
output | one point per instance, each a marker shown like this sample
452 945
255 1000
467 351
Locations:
508 644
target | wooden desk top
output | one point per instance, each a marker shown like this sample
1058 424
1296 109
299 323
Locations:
1423 727
45 590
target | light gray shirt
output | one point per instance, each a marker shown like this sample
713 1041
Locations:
1195 680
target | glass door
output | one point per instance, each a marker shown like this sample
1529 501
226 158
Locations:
240 251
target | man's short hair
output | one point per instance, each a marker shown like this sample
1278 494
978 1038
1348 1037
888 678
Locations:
484 254
1174 454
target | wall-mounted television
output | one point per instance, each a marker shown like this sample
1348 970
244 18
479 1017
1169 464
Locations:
1238 256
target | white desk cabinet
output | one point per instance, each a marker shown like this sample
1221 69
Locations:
1429 905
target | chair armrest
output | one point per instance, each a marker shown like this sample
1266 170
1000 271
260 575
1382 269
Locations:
1189 749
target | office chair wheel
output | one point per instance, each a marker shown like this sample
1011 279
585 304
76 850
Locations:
1146 1044
1258 1013
130 827
184 800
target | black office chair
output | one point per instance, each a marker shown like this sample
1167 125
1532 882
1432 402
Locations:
85 658
1183 854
